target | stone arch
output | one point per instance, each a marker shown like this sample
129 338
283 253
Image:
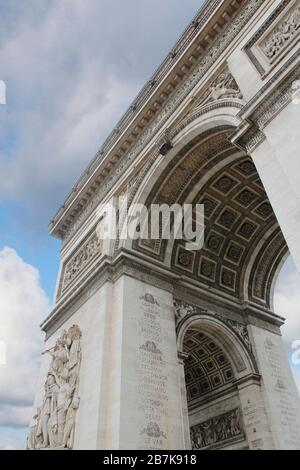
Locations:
216 362
226 338
221 113
203 166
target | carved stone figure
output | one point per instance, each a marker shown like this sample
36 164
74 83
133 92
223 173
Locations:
183 309
68 436
82 257
284 32
224 86
32 439
217 429
55 419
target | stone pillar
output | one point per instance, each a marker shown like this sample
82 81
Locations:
184 407
256 425
280 395
90 316
144 405
277 162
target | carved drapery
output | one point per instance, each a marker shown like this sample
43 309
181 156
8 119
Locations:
83 256
54 420
278 34
284 32
217 430
224 86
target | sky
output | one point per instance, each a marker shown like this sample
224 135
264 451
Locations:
71 68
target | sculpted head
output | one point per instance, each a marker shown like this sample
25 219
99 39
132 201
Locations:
51 379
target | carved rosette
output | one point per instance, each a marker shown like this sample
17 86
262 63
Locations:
54 420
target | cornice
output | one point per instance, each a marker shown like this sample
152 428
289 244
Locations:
215 27
273 97
141 99
144 270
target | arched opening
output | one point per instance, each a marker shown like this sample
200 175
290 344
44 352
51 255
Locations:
244 245
228 332
216 363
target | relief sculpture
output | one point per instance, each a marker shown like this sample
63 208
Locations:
55 419
216 430
283 34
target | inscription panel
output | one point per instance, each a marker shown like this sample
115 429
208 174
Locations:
151 389
279 388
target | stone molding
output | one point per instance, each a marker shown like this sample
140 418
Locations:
220 430
276 36
273 97
196 73
79 260
108 270
184 309
192 30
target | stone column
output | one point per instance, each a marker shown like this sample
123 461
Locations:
144 405
279 392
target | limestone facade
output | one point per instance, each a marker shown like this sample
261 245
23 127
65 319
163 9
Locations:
182 349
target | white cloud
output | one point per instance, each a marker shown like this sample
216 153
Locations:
71 69
23 305
287 301
15 416
7 444
287 304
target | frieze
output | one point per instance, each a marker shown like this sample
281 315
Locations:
217 430
173 101
90 249
282 34
276 36
148 90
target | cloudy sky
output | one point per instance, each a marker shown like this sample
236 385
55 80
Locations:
71 68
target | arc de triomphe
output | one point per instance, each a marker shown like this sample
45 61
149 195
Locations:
152 346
